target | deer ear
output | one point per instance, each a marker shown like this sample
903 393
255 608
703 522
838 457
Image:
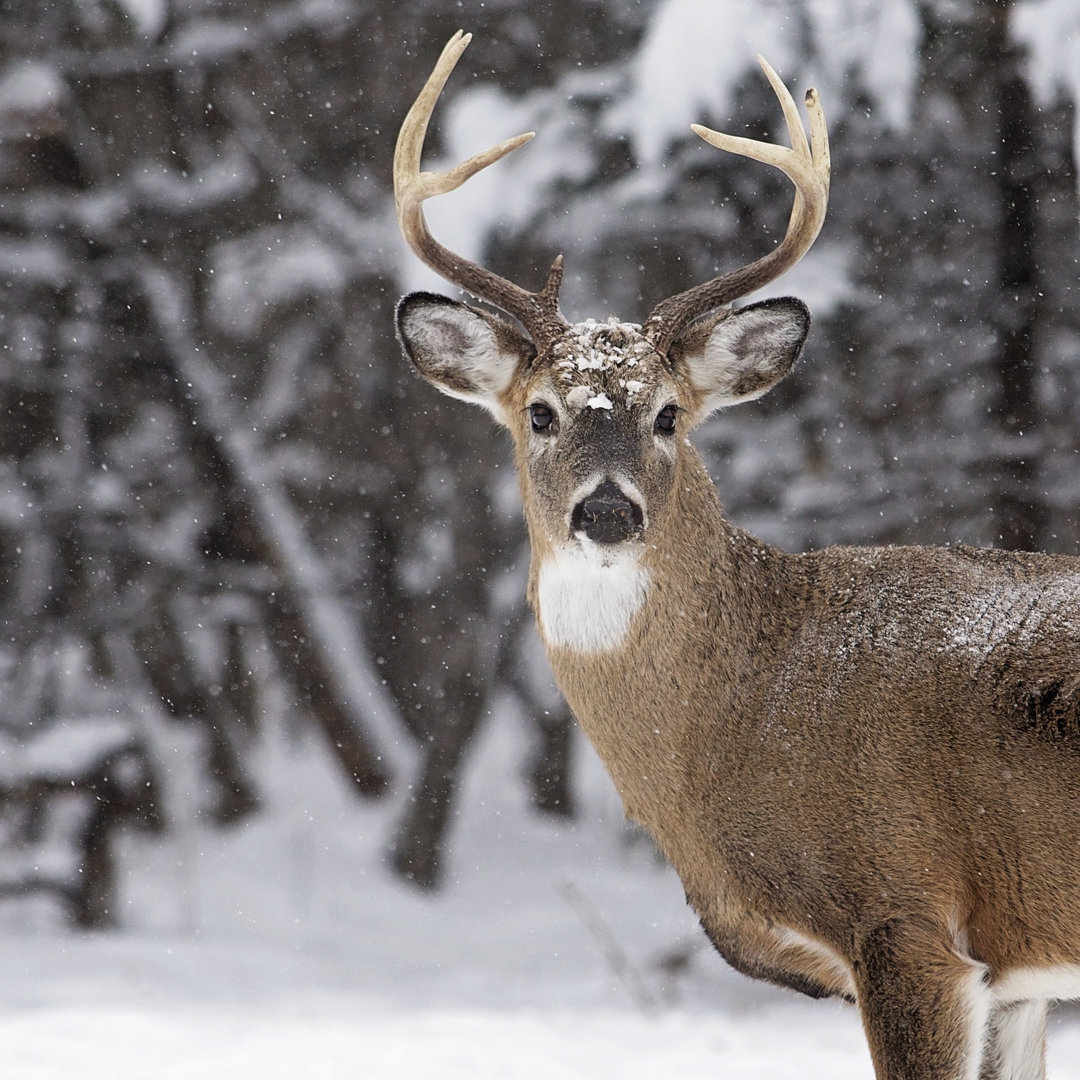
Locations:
462 351
742 354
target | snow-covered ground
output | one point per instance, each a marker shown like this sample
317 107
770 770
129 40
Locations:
280 949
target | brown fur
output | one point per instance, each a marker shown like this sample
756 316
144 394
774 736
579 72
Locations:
864 763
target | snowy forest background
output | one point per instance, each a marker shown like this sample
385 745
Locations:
223 496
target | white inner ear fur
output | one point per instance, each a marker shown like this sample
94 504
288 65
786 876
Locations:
746 355
458 350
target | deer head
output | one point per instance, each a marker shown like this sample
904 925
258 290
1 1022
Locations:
599 411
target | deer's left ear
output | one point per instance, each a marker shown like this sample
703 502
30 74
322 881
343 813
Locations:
741 355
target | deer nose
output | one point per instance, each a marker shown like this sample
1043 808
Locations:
607 515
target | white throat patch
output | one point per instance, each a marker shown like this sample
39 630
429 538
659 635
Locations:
588 596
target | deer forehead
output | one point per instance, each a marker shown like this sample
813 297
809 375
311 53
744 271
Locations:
605 366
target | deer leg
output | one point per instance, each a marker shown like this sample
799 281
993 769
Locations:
1016 1048
924 1006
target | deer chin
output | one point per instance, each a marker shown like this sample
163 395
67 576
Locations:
589 593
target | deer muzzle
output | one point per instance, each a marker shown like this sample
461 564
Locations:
607 515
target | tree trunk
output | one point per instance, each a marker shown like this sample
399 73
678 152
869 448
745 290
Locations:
416 852
1021 514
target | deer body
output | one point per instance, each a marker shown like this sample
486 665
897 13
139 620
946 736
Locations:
797 764
906 704
863 763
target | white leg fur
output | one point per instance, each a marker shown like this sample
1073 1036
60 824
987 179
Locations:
980 1004
1017 1048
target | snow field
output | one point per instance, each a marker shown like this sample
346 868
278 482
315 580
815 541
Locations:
281 950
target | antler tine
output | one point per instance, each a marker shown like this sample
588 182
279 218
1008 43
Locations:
807 165
538 312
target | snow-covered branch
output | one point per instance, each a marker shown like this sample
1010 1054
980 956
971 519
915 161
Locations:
334 632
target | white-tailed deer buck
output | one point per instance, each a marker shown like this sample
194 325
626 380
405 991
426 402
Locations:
864 763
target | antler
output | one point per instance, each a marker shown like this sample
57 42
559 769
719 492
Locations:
538 312
807 166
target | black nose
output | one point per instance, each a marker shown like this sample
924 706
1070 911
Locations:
607 515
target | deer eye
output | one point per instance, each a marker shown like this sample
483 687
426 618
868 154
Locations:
543 419
665 419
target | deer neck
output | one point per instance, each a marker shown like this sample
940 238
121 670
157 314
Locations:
655 688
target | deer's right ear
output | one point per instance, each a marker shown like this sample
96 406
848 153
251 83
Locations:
462 351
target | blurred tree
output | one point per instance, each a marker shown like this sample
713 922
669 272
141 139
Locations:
219 483
200 413
1021 513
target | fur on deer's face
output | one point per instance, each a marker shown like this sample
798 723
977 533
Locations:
600 419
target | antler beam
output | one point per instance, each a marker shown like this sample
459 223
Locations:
807 165
538 312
